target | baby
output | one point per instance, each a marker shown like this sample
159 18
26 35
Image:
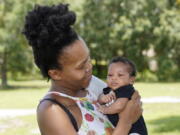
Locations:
120 79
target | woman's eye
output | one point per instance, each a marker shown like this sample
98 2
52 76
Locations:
81 67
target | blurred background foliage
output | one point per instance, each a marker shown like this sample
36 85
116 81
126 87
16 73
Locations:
147 32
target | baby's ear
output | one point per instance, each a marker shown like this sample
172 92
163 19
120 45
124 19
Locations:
132 79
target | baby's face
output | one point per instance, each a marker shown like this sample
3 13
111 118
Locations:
118 75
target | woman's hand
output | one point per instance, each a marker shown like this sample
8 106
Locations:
129 115
133 109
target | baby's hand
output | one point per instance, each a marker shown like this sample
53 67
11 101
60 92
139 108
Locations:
108 97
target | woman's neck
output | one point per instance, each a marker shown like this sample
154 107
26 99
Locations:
69 91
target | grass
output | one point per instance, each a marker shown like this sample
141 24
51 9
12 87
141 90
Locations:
158 89
161 118
25 125
23 94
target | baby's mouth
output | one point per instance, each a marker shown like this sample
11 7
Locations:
114 84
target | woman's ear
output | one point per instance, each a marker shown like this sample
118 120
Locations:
132 79
55 74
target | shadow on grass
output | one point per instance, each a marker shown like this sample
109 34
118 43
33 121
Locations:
167 124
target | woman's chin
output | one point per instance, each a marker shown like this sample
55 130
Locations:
88 80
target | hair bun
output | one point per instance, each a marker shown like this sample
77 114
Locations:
61 22
44 22
48 30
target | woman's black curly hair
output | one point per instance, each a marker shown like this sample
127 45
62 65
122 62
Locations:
48 30
131 65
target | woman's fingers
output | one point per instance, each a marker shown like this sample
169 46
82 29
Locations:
135 95
137 105
133 109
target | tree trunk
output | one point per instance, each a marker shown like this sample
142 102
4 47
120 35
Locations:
4 83
96 69
100 70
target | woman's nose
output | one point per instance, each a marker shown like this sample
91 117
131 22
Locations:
89 67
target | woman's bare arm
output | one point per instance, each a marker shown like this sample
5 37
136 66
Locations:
129 115
52 120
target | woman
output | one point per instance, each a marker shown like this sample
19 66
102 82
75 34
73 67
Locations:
63 57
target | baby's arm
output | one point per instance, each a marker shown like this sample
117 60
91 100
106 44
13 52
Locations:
106 98
115 107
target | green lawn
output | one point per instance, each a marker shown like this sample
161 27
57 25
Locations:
24 94
25 125
161 118
158 89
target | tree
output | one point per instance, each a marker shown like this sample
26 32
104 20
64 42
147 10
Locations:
13 56
118 27
131 29
167 45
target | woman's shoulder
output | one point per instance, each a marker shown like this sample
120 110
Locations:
51 117
47 108
53 103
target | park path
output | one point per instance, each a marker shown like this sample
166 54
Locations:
23 112
16 112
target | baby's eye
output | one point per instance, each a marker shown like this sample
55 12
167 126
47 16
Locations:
109 75
120 75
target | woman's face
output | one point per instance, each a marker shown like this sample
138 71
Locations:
76 64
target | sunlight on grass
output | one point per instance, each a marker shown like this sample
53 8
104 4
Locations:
158 89
26 94
25 125
162 119
23 94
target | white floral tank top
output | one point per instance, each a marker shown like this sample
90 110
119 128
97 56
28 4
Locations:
92 119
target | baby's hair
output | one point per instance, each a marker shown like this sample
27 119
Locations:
48 31
129 63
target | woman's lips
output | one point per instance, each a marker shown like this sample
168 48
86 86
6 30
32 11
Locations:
89 75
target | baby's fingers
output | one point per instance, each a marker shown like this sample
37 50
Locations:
113 96
108 98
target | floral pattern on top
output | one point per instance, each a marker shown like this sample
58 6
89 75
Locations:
92 120
87 105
